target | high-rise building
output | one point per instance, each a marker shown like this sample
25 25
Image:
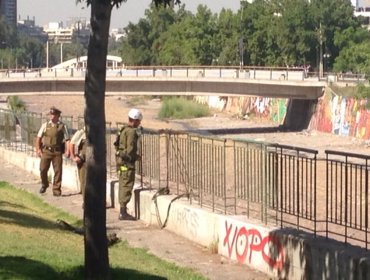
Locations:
8 9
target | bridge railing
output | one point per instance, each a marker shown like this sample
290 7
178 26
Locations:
187 72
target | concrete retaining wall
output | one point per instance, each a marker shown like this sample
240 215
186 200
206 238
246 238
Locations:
285 254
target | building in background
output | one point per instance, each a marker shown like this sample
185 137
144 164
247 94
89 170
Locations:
117 34
28 28
8 9
362 9
77 30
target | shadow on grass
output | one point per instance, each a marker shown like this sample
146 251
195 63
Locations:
23 219
16 267
130 274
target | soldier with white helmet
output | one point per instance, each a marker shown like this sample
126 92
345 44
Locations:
126 156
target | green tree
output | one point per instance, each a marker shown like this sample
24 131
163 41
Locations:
176 49
203 34
96 245
136 46
226 40
256 22
354 58
294 33
164 29
353 44
32 52
330 17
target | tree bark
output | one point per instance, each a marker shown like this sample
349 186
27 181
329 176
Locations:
96 245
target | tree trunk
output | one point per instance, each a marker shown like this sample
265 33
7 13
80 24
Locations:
96 246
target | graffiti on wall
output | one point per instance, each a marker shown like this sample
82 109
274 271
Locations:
342 115
334 114
272 109
187 219
247 243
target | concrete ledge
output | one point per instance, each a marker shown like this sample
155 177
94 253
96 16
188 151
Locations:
281 253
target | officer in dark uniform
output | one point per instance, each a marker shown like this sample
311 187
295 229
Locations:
51 142
127 155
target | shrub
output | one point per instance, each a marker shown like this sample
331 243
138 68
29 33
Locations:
182 108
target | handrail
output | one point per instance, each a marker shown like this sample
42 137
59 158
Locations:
219 71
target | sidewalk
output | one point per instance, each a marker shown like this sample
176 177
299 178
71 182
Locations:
161 243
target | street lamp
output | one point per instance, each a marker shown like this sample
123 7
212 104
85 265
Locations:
79 27
326 57
241 50
47 54
56 41
241 40
321 65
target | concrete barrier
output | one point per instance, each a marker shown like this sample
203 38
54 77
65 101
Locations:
281 253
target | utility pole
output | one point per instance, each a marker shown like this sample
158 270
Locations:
321 64
61 52
47 54
241 40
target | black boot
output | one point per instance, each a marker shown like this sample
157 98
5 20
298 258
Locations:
123 215
42 189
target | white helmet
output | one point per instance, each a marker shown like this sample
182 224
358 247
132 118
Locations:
135 114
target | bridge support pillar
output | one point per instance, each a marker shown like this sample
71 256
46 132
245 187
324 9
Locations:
299 113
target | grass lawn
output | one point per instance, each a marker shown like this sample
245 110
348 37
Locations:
32 246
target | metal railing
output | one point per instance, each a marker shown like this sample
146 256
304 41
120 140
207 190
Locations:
347 197
197 71
276 184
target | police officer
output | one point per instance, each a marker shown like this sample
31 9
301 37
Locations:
127 154
51 142
79 140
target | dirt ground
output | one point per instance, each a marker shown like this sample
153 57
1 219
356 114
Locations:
223 124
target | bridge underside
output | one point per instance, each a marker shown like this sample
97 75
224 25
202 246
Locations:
148 86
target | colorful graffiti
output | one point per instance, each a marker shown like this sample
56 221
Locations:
334 114
273 109
244 243
342 116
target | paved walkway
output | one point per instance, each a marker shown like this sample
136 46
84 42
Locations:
161 243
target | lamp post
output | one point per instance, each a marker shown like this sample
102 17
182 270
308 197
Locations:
61 52
79 26
326 57
47 54
321 64
241 40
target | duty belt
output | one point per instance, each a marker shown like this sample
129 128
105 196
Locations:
53 149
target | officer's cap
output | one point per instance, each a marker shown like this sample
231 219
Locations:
54 111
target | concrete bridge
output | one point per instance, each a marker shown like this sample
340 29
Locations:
282 83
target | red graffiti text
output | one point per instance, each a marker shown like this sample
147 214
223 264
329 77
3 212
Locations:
243 241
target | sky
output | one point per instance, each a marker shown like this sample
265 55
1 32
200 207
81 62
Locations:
45 11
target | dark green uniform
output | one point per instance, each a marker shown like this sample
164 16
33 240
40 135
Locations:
53 138
127 154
